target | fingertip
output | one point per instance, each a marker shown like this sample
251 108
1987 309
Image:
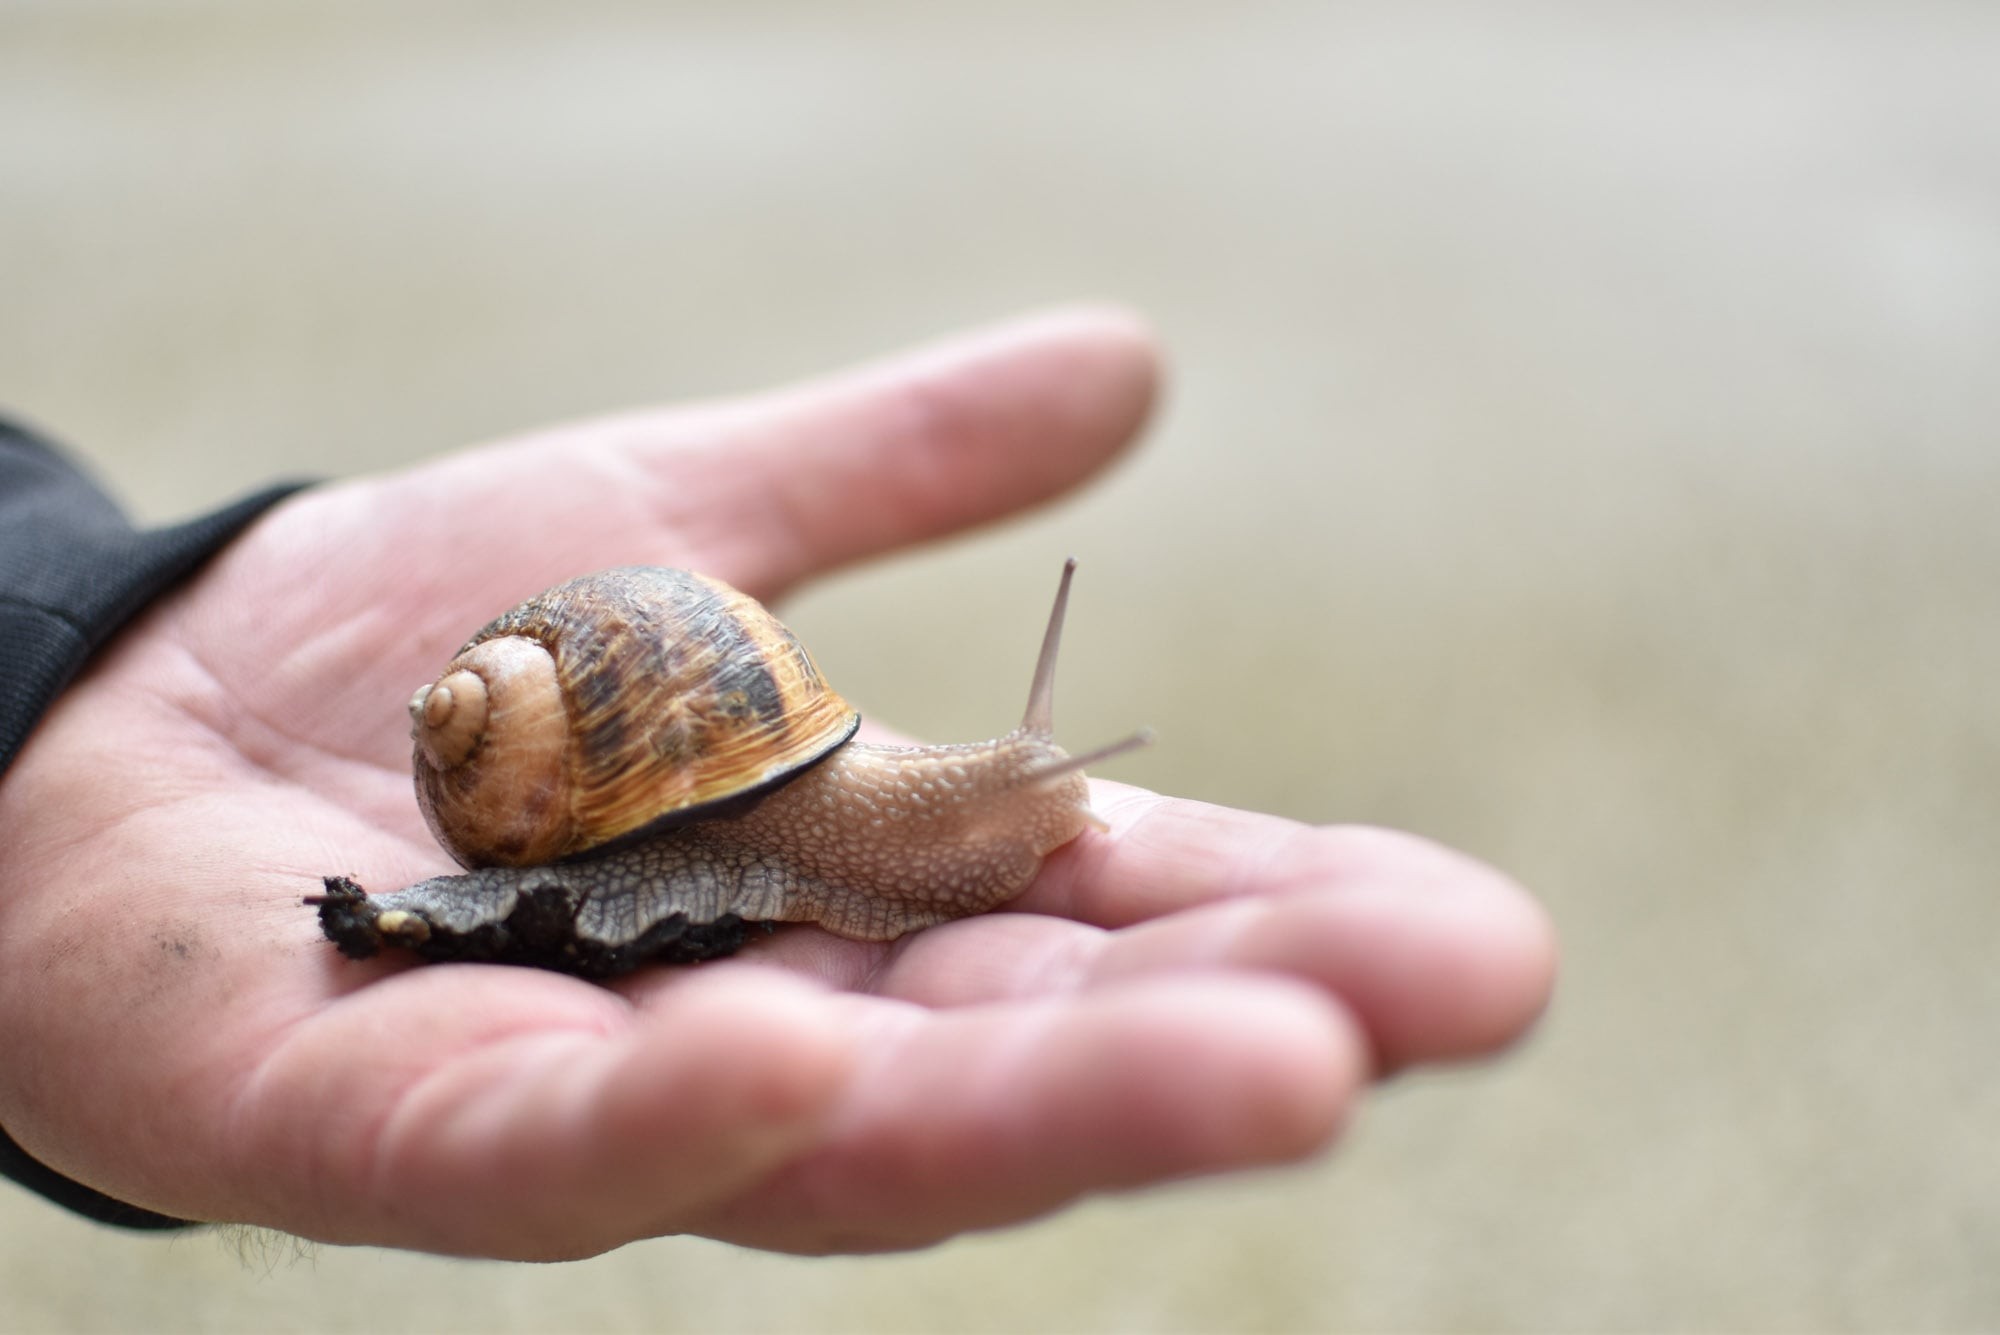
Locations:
1045 397
1510 980
1490 944
1459 959
1262 1070
1118 339
1118 357
928 442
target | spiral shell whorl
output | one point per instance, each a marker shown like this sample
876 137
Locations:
448 718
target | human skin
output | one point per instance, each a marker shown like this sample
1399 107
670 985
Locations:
1197 991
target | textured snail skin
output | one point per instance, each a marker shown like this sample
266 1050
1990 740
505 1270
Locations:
871 843
639 765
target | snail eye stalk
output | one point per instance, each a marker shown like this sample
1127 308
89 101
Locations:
1055 769
1040 718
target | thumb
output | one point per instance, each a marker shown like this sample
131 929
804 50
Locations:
922 445
766 490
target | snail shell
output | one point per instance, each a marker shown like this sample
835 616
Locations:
631 699
638 764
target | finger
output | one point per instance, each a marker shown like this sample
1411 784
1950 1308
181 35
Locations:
1441 955
1430 975
765 490
498 1112
911 448
975 1118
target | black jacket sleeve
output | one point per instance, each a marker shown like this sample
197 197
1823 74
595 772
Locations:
72 572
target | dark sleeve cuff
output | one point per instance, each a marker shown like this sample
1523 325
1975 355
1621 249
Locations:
89 1202
73 571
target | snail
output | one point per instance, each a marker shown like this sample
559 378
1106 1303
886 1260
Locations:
640 764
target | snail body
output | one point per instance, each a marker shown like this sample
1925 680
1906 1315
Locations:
640 764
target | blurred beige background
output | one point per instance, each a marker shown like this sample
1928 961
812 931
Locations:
1589 411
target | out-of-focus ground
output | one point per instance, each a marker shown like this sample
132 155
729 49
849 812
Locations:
1588 417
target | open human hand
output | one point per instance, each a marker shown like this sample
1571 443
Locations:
1198 990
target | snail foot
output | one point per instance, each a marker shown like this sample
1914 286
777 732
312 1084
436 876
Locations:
532 922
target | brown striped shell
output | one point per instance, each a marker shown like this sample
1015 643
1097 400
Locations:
625 700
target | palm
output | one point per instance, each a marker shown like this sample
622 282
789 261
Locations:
1202 989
